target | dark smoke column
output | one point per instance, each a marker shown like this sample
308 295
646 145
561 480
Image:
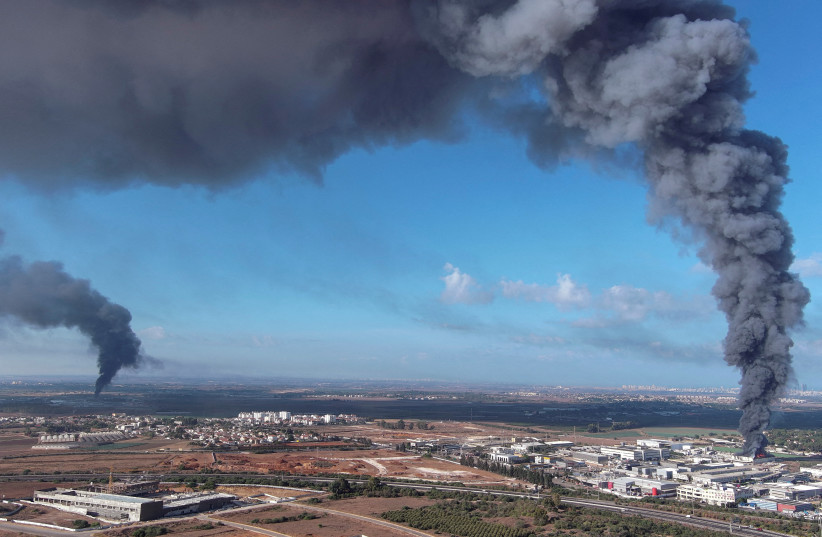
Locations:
670 77
748 243
43 295
215 93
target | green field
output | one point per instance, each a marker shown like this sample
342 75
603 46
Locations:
686 431
626 433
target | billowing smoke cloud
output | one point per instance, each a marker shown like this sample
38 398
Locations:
210 93
45 296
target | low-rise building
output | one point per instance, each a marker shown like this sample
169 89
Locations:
720 495
636 453
637 486
108 506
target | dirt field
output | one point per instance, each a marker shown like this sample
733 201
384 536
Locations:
456 431
189 528
376 506
170 456
48 515
324 524
25 490
384 463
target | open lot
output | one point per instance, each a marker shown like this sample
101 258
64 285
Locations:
321 523
384 463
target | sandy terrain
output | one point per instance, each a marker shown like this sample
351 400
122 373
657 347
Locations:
189 528
324 525
384 463
48 515
25 490
375 506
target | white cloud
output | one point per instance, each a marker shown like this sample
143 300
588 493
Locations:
634 303
153 332
616 305
810 267
461 288
627 304
701 268
565 294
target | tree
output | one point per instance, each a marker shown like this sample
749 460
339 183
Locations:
400 424
340 486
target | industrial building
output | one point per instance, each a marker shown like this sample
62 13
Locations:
74 440
120 508
720 495
730 475
796 492
183 504
653 443
636 453
128 488
591 457
637 486
782 506
108 506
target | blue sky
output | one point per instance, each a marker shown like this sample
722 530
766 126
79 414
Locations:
452 261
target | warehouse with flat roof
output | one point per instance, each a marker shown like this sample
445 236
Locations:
108 506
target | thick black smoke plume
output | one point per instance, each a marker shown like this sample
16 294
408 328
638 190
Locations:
44 296
208 92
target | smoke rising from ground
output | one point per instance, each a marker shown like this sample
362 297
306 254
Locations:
214 93
43 295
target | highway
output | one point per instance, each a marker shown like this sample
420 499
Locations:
705 523
627 509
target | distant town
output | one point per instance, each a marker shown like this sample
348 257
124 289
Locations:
694 468
672 452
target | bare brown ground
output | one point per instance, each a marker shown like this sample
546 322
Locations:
16 456
245 491
15 444
48 515
375 506
158 455
456 431
187 527
25 490
325 525
384 463
4 533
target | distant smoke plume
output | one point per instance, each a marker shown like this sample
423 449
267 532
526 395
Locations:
210 93
44 296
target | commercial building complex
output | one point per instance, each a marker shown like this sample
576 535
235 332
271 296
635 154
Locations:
121 508
108 506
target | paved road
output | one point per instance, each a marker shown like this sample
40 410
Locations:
600 504
33 530
706 523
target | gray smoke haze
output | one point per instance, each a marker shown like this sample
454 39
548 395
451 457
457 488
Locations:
43 295
215 93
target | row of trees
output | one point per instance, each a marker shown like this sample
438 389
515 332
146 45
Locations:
401 424
535 476
612 426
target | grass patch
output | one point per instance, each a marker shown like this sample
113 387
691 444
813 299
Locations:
686 431
624 433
